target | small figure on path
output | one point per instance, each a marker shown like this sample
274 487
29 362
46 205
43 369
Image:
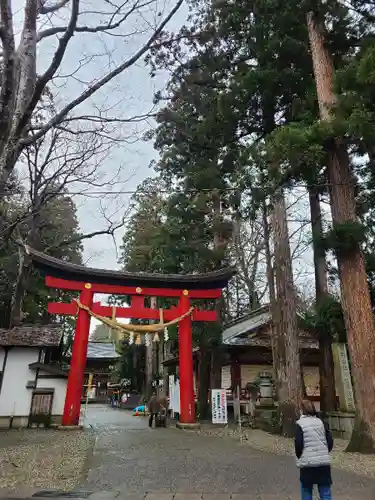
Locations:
157 408
153 408
313 444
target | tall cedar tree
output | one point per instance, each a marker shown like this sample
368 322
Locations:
353 279
191 139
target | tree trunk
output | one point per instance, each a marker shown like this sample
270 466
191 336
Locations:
219 244
24 271
326 367
204 382
216 364
287 363
276 327
355 294
150 358
135 371
275 323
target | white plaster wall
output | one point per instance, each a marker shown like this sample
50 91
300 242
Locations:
15 399
59 386
2 356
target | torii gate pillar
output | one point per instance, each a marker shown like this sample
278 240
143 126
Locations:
187 410
76 376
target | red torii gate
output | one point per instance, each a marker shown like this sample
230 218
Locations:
88 281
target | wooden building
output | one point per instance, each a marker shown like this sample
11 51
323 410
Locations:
248 352
101 358
32 382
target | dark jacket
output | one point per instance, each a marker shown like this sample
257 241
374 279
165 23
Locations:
309 476
157 404
153 404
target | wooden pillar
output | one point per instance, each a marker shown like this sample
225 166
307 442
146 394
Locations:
187 405
76 377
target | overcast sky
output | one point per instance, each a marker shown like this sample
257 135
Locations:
132 92
89 57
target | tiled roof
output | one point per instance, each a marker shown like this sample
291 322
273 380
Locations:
31 336
246 324
101 350
244 331
52 369
305 342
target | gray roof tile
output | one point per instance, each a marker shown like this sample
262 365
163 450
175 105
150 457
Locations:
100 350
31 336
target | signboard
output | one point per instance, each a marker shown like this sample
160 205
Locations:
176 397
174 394
343 378
219 406
170 391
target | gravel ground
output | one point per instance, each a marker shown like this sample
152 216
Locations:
260 440
43 459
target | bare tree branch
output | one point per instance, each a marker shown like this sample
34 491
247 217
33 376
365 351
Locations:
111 25
22 90
105 79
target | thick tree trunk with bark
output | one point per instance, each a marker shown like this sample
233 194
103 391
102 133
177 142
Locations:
275 323
326 367
287 363
135 371
219 244
353 280
19 292
216 365
24 272
150 357
204 382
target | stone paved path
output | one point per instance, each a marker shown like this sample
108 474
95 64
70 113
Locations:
131 458
118 495
133 462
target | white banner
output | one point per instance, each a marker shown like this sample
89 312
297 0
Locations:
170 391
219 406
176 397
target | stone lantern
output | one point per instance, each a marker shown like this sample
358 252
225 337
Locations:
266 389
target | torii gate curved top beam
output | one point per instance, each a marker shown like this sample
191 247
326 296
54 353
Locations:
55 267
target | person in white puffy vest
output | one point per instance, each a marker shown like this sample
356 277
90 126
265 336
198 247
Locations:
313 443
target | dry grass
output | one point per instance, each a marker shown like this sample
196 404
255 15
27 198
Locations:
260 440
43 459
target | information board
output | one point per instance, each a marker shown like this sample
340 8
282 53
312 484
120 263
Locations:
219 406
